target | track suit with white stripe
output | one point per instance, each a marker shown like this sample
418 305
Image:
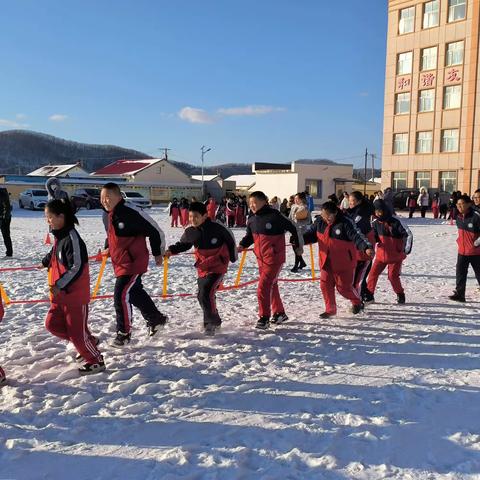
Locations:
127 228
68 314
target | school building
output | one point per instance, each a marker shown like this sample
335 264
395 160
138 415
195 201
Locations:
431 120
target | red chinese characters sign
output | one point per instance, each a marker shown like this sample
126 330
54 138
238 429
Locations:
403 83
427 80
453 75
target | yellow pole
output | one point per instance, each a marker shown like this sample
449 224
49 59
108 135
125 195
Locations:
312 262
240 268
50 284
100 275
3 293
165 276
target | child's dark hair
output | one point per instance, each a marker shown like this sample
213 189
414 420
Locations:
330 207
259 196
113 187
358 196
63 207
198 207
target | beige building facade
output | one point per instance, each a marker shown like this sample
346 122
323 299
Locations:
431 121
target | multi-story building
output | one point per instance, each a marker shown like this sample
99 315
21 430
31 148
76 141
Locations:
432 123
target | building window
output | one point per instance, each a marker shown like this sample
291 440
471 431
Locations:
402 103
454 54
450 140
399 180
406 20
314 188
429 58
426 100
448 181
404 63
424 142
422 179
452 97
457 10
430 14
400 143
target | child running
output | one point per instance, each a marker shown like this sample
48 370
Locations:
394 243
127 228
70 286
266 229
214 249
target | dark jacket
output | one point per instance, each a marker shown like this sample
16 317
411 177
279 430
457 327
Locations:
468 232
214 247
68 264
361 215
266 230
128 226
337 242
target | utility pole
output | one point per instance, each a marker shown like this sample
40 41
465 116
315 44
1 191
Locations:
204 150
165 152
365 173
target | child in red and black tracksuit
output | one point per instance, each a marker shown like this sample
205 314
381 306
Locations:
338 241
3 378
70 286
127 228
468 241
214 249
394 242
266 229
361 212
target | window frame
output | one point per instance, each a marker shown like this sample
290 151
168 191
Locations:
417 140
451 8
447 88
394 152
443 140
446 53
398 63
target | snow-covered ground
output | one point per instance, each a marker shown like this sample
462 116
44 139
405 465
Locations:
393 393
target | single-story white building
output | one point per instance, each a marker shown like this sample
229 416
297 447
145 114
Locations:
73 170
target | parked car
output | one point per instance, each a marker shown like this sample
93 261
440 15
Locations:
86 198
400 197
33 199
137 199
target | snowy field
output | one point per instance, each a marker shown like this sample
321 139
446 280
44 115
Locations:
393 393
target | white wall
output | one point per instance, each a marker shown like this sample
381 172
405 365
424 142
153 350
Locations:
281 185
163 172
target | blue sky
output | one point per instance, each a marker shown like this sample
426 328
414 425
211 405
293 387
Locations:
257 80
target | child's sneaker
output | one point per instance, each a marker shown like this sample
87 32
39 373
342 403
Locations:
156 325
357 308
456 297
263 323
279 318
401 298
92 368
368 297
96 342
121 339
209 329
3 378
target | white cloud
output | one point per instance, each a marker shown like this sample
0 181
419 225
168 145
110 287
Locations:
20 116
249 110
195 115
12 123
58 117
364 94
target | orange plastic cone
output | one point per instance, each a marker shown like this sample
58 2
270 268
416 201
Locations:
48 240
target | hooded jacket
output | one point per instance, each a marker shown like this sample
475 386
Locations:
127 228
394 240
266 230
337 242
214 247
468 225
68 264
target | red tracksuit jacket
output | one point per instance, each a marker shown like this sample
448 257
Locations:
68 262
214 247
394 240
337 242
127 227
468 232
266 230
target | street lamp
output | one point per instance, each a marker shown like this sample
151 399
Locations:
204 150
